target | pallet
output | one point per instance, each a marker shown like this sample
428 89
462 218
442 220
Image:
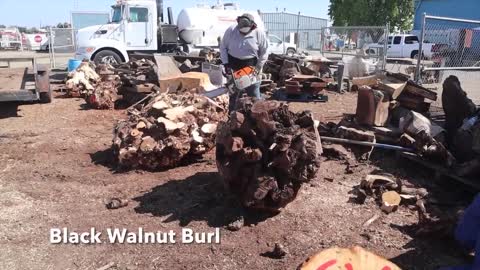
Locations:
441 171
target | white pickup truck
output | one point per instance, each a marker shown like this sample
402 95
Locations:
277 46
401 46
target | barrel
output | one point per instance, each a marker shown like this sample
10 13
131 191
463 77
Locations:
73 64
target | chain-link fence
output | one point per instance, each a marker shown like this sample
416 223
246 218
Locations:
61 46
368 41
303 31
450 46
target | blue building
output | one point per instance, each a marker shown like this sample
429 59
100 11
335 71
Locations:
462 9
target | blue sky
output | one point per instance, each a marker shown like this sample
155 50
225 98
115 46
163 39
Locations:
47 12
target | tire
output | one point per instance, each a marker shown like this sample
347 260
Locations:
45 97
291 51
414 55
107 57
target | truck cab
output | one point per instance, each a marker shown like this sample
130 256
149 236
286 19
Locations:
278 46
135 25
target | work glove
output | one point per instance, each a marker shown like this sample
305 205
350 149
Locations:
227 70
258 70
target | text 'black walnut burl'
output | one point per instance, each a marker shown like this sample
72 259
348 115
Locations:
265 153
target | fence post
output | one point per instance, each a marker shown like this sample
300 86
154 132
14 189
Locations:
385 47
322 40
298 30
73 39
50 49
418 74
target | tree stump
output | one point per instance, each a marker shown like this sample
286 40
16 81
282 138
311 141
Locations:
265 153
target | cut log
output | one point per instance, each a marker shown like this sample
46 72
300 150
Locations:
368 81
355 258
362 152
393 89
168 66
372 107
374 181
135 133
209 128
418 90
390 201
177 113
420 192
148 144
406 141
160 105
415 103
198 81
196 137
169 125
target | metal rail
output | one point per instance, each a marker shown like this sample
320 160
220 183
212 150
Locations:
371 144
450 19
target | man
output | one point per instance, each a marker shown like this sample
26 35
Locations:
244 45
467 234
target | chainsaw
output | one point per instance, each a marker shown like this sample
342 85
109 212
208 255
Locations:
238 81
245 78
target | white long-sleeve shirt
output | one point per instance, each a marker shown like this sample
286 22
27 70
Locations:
252 45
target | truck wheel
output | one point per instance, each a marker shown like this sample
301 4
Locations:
45 97
291 51
107 57
414 55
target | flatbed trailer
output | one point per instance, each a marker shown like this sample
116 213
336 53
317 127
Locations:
25 84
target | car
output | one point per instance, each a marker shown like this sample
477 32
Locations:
277 46
401 46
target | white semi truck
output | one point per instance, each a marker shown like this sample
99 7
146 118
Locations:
138 26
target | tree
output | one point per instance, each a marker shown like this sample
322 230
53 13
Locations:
399 13
64 25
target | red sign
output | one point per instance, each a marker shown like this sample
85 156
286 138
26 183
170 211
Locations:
468 38
38 39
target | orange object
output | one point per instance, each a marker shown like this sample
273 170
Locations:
246 71
347 259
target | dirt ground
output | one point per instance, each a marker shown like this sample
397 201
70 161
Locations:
56 171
